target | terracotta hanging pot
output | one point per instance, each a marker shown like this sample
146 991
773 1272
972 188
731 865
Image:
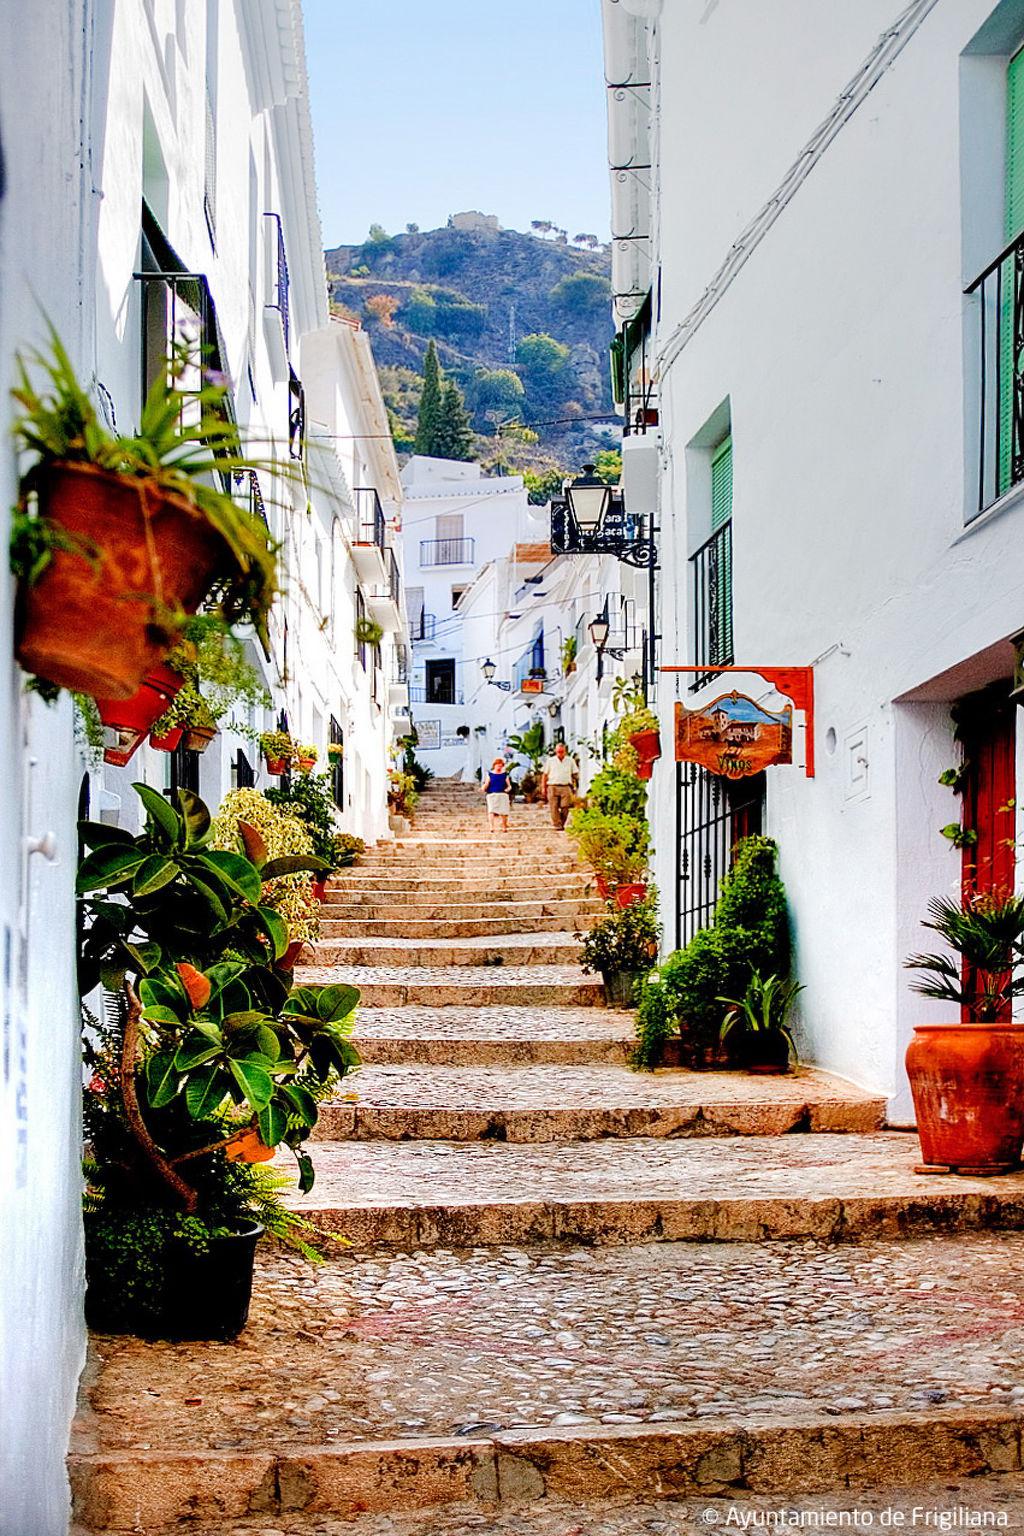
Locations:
169 741
626 895
307 763
96 622
159 687
968 1085
198 737
276 765
647 746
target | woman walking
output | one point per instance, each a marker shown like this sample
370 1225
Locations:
497 791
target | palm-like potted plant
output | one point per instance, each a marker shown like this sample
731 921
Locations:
623 946
967 1078
569 655
118 538
207 1060
756 1027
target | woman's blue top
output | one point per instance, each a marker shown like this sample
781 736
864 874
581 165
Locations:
497 783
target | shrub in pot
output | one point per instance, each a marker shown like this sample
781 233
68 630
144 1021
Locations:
118 538
750 930
623 946
310 799
278 751
967 1078
306 756
756 1027
206 1060
347 848
615 846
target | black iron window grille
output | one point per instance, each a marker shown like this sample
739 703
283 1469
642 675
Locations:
245 776
447 551
394 583
712 814
296 416
712 604
360 621
998 294
336 737
280 292
422 626
369 516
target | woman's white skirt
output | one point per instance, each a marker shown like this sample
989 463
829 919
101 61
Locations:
498 805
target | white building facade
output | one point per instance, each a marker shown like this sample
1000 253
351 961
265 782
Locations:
811 338
159 181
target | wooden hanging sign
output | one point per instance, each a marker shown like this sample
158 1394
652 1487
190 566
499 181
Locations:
796 683
733 736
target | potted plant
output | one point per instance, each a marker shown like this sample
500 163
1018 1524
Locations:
638 725
306 756
569 655
967 1078
347 849
369 632
335 751
118 538
130 720
246 813
205 1060
462 731
617 849
756 1026
622 947
214 675
278 751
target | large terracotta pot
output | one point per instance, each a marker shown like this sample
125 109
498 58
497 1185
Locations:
968 1086
88 624
626 895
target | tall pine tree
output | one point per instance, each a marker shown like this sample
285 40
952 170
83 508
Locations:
454 436
430 404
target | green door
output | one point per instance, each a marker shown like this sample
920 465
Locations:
1013 224
721 518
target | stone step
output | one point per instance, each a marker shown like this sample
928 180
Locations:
423 863
465 928
492 1037
545 1104
514 949
503 1377
424 909
426 873
479 986
892 1502
722 1188
530 888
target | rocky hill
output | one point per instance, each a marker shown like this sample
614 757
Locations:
522 322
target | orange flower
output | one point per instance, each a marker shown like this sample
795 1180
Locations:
195 984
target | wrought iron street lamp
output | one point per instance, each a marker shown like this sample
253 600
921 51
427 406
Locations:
591 518
488 669
599 628
588 499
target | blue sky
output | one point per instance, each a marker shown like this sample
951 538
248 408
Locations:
422 108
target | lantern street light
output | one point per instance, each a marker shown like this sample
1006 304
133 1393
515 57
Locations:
599 628
488 669
588 499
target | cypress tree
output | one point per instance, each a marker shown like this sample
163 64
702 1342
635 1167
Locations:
454 436
431 403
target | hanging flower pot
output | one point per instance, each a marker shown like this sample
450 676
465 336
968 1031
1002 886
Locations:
647 746
131 718
626 895
306 764
169 741
99 615
198 737
276 765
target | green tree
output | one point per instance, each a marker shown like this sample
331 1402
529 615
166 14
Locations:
543 484
496 390
431 398
420 312
608 465
542 358
454 436
582 293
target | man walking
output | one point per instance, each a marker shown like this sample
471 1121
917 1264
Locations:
558 784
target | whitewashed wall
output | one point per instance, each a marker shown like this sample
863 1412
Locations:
837 352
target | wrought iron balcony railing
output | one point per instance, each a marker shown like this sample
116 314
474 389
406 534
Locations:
442 695
369 516
712 604
422 626
998 384
281 287
446 551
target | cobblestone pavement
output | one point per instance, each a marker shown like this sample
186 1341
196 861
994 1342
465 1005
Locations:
928 1508
445 1343
508 1023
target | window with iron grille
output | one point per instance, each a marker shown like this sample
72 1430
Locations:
337 739
712 815
360 620
711 566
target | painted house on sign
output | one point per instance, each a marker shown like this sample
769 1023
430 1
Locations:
733 736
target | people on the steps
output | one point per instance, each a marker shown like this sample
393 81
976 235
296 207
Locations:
497 791
558 784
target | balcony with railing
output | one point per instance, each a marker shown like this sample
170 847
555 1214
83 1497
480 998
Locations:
442 695
997 318
384 600
446 552
276 308
368 549
422 626
712 604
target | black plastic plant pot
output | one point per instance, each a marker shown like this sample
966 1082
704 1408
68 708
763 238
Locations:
201 1295
620 987
762 1050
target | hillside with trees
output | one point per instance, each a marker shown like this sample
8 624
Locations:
519 325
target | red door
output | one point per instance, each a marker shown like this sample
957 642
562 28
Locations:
987 722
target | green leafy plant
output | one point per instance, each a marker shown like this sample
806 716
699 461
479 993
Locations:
402 792
986 932
247 815
346 849
618 794
624 941
569 654
186 444
630 704
277 746
529 745
310 799
750 930
369 632
305 752
616 847
763 1009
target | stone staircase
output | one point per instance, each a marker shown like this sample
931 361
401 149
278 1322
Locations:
574 1298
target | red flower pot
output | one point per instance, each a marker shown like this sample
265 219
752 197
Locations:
290 956
276 765
626 895
320 889
88 623
602 887
306 763
169 741
198 737
968 1085
131 718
